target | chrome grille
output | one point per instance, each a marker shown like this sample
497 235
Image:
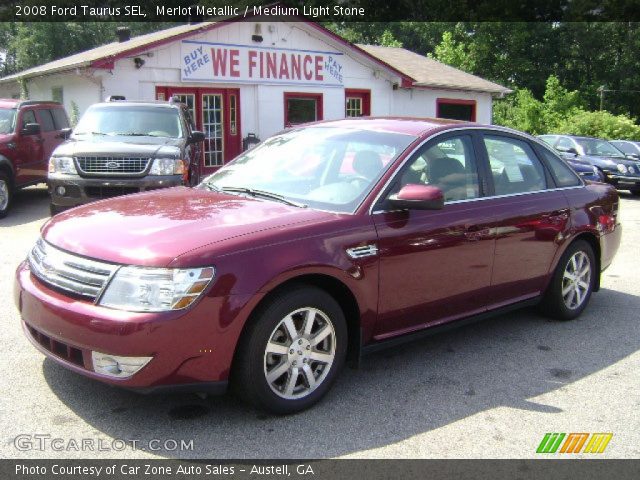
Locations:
69 272
112 165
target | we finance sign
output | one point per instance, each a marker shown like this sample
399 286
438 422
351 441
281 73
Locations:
216 62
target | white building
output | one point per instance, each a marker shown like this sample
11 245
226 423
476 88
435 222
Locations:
258 76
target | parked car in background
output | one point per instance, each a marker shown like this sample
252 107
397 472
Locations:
628 147
582 167
121 147
29 131
618 169
324 242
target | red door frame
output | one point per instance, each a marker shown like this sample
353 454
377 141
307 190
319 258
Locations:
315 96
456 101
361 93
232 143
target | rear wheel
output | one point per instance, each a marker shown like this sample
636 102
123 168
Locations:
570 289
6 194
292 352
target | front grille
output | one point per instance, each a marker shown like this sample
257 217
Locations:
59 349
112 165
108 192
68 272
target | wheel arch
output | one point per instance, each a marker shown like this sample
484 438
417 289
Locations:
592 239
330 284
7 167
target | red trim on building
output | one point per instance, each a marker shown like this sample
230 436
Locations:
457 101
315 96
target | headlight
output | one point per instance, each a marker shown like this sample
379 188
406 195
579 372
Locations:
596 172
622 168
167 166
139 289
62 165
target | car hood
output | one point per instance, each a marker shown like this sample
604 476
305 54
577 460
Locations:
606 161
97 145
153 228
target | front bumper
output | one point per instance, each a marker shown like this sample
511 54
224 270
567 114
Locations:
623 182
80 190
191 349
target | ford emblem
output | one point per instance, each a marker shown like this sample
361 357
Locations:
112 165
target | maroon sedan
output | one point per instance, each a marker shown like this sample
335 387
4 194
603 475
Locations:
323 243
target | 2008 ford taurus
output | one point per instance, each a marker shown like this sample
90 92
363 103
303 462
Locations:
323 243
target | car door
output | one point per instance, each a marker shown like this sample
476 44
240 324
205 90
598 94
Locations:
29 150
533 218
435 265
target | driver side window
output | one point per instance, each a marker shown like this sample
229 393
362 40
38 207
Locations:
448 164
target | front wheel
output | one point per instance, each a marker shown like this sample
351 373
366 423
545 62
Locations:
292 351
6 194
572 284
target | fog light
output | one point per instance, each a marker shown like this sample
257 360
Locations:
117 366
61 191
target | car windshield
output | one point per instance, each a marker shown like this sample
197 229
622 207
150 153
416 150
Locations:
130 121
323 167
7 120
598 148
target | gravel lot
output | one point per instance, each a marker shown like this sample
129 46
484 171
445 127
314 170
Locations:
490 390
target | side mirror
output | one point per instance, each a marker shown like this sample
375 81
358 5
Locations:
31 129
633 156
418 197
196 137
64 133
569 150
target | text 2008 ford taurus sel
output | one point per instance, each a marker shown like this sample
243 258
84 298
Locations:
325 241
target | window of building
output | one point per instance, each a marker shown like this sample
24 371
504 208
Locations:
57 94
233 115
514 166
302 108
354 107
456 109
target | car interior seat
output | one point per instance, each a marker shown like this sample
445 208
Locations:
367 164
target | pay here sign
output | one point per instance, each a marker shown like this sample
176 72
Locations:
216 62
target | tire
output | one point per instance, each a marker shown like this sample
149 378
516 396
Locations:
290 358
55 209
636 192
577 290
6 194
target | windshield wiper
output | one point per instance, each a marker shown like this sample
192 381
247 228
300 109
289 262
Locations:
130 134
264 194
89 133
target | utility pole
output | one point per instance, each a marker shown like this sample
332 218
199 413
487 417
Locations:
601 90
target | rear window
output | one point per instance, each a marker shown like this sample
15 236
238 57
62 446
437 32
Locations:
562 173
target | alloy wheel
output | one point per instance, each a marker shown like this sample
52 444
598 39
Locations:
576 280
299 353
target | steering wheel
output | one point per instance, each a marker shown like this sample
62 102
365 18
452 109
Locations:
360 182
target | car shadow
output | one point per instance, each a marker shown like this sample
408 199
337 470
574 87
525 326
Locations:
396 394
29 205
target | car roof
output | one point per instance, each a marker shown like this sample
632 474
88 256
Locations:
139 103
404 125
16 103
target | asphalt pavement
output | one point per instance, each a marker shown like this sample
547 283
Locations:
489 390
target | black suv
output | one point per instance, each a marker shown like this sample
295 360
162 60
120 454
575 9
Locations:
121 147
